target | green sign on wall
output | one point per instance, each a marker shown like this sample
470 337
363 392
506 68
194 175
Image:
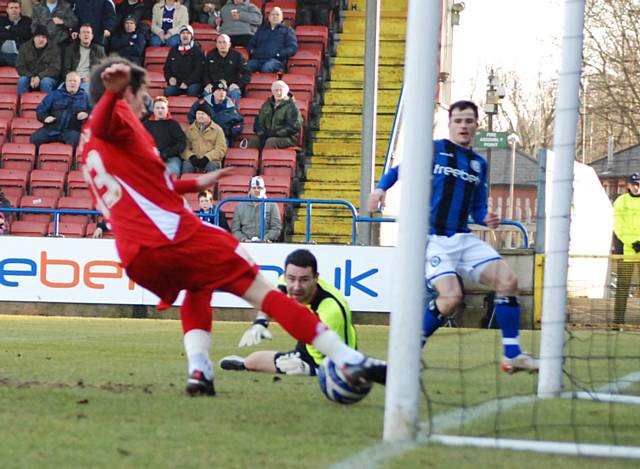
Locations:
486 139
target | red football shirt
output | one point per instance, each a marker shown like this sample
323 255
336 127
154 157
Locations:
129 182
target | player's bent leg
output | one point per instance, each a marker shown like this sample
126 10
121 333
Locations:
261 361
446 297
305 326
499 276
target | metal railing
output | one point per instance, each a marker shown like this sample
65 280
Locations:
309 214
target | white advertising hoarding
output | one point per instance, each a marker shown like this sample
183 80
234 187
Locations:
69 270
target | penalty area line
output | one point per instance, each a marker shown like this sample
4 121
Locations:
381 453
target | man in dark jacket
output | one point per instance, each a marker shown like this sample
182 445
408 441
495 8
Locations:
272 44
100 14
168 135
82 54
38 63
63 112
279 120
129 42
15 30
57 17
225 63
222 110
316 11
184 66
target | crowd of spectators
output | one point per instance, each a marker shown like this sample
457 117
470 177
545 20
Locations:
54 43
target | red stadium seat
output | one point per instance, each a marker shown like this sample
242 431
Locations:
76 185
278 162
155 57
43 182
91 227
55 156
34 201
261 95
205 34
75 203
14 178
258 3
261 81
28 228
18 155
14 194
8 104
243 52
250 106
277 186
29 103
8 78
313 35
4 127
300 82
234 186
242 157
180 107
22 128
68 229
157 83
192 198
304 59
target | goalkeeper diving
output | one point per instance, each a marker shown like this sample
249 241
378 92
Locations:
301 282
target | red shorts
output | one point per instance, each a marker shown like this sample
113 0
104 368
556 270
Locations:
211 259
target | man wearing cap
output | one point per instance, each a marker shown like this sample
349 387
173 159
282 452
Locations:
222 110
225 63
247 216
169 16
82 54
626 226
38 63
128 42
15 30
206 145
57 17
184 66
279 120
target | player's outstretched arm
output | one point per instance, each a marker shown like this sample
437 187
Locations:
202 182
492 220
116 77
376 200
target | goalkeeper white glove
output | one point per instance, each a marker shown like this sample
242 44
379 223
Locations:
255 334
291 364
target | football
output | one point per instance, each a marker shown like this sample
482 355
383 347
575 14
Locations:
336 388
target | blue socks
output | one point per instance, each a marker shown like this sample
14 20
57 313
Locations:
507 311
431 321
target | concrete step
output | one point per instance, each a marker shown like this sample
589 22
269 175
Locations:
353 123
322 239
355 85
327 226
350 195
387 49
356 73
346 97
327 174
331 149
355 109
397 61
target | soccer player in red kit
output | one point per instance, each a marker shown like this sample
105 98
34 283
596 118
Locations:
165 248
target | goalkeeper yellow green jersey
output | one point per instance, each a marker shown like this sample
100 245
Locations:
333 310
626 221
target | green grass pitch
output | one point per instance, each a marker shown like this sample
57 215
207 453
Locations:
81 392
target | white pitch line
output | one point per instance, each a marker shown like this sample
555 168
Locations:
376 455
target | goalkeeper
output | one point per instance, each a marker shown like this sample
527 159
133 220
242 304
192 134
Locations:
301 282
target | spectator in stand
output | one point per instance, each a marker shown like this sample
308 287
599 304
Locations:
82 54
201 9
15 30
4 225
128 42
57 17
27 7
272 44
208 210
63 112
279 121
169 16
239 19
100 14
184 66
247 216
222 111
206 145
38 63
225 63
128 8
316 12
168 135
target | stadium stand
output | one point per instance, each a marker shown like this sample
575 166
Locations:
68 230
47 183
8 104
14 178
76 185
8 79
29 228
18 156
36 201
55 157
29 103
22 128
75 203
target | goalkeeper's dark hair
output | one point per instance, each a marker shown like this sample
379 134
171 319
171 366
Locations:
96 87
462 106
302 258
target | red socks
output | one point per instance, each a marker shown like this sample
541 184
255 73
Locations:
196 312
295 318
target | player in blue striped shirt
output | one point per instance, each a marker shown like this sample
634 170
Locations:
459 191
